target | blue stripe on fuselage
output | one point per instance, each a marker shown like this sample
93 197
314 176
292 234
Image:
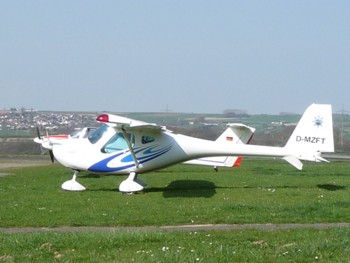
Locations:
147 154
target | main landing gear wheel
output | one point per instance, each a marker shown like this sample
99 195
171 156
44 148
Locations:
132 184
73 185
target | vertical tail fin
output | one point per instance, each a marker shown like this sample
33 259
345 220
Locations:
237 133
313 134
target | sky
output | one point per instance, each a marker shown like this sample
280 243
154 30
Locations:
183 56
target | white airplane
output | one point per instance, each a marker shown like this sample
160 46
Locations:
124 146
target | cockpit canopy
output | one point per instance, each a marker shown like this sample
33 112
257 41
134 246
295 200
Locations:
117 140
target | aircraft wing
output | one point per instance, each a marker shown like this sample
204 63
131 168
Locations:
217 161
236 133
127 123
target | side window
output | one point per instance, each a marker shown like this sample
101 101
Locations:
147 139
118 143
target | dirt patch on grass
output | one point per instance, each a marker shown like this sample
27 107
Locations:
18 162
222 227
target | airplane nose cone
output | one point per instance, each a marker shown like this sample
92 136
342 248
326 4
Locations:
47 145
65 152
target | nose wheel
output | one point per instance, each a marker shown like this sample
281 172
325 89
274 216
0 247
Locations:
73 185
132 184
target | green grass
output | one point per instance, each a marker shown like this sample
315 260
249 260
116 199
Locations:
297 245
260 191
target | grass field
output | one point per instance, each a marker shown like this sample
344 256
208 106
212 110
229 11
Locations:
297 245
260 191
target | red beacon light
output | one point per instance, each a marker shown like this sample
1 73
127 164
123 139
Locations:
103 118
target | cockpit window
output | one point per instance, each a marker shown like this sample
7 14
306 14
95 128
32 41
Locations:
118 143
75 134
147 139
90 131
97 134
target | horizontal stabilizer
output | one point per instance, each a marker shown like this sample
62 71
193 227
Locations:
293 160
321 159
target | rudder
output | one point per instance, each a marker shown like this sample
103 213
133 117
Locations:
314 132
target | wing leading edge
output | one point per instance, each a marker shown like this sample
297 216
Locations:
127 123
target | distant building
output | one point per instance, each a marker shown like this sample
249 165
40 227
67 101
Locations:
235 113
288 113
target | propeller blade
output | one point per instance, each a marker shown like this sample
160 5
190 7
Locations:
52 157
38 132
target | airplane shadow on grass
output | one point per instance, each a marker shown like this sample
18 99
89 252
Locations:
186 189
178 188
201 188
331 187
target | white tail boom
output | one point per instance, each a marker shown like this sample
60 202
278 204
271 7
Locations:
312 136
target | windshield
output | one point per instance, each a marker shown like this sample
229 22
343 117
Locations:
118 142
75 134
97 134
82 133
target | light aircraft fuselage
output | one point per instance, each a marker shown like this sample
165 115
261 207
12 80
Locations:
126 146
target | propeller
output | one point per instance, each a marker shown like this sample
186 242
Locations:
52 157
38 133
41 140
